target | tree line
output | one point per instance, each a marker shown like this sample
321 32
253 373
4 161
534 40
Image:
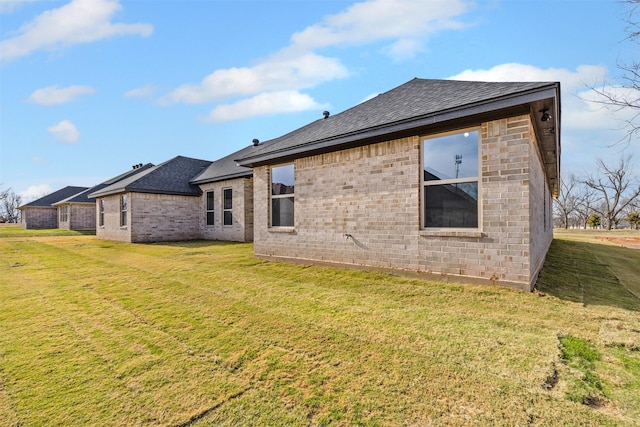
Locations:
9 203
610 198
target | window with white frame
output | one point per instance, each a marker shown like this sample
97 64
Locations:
210 208
227 206
282 196
123 210
64 213
450 180
101 216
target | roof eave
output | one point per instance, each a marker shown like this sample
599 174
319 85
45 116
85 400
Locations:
148 191
369 135
243 174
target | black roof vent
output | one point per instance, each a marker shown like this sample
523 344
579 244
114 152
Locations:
325 114
256 142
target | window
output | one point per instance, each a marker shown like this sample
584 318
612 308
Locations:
101 219
210 209
123 210
282 186
450 180
64 213
227 204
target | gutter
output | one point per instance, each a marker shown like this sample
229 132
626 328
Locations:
364 136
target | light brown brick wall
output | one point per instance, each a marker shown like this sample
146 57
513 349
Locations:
541 213
39 217
82 216
242 228
111 230
373 194
162 217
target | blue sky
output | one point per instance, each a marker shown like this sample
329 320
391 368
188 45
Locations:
90 87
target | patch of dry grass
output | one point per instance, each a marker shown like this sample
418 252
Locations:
201 333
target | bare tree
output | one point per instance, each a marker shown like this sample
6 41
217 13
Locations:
626 95
585 208
616 188
568 200
9 203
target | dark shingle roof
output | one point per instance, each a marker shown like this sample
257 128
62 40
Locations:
170 177
226 168
135 170
83 197
401 108
56 196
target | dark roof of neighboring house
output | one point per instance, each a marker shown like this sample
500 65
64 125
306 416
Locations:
226 168
48 200
170 177
419 103
83 197
133 171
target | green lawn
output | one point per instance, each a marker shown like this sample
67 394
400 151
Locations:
200 333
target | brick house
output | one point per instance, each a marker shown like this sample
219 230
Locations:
78 212
42 213
227 202
442 178
180 199
155 204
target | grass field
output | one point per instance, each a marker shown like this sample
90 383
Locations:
200 333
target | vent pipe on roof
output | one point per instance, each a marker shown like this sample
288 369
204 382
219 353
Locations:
326 114
256 142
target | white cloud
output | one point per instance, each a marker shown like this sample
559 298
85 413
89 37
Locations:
55 95
65 132
588 128
376 20
578 110
34 192
279 72
404 24
264 104
514 72
141 92
404 49
38 159
8 6
370 96
80 21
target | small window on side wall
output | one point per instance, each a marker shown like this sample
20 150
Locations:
123 210
101 216
282 196
210 208
227 207
450 180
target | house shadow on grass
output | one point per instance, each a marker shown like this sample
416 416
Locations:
592 273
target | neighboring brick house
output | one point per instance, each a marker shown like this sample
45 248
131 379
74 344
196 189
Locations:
227 202
156 204
449 179
78 212
42 213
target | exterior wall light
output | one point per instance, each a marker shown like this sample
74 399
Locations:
545 115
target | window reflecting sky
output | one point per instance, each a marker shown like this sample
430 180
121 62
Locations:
282 175
440 156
